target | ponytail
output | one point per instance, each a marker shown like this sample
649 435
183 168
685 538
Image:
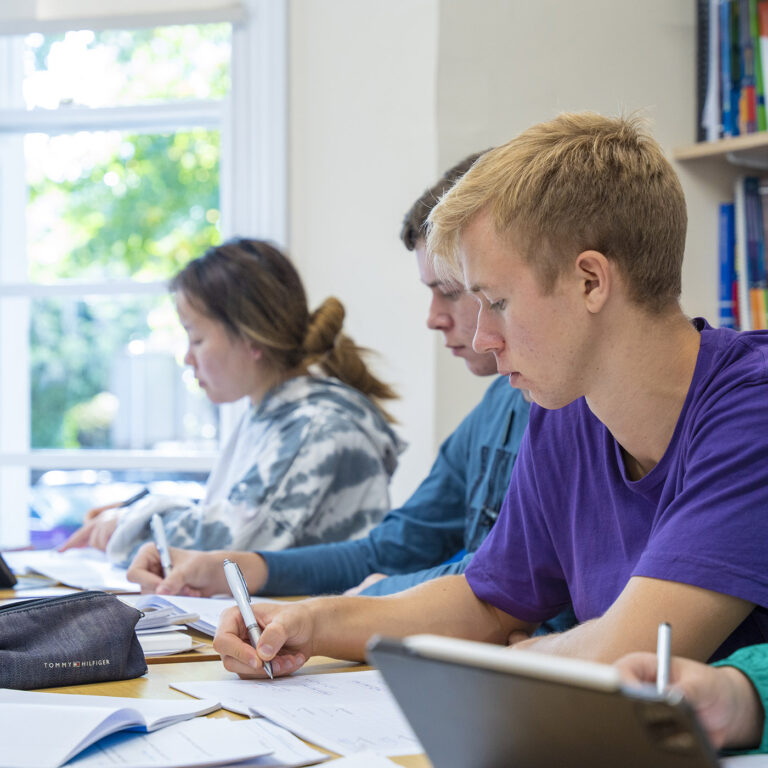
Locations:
337 355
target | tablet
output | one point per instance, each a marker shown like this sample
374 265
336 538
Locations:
484 706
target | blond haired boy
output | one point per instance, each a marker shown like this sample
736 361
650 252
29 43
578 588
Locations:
640 490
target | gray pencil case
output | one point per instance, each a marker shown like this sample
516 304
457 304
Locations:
87 637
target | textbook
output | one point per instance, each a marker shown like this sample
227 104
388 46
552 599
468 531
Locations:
70 723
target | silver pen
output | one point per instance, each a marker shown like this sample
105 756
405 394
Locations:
158 531
663 650
239 590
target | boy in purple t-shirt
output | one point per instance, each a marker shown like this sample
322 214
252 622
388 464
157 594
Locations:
641 490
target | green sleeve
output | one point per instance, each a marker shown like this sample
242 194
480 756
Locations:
753 662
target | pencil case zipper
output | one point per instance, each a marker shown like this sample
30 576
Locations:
27 604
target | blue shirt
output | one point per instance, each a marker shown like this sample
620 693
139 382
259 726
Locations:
453 508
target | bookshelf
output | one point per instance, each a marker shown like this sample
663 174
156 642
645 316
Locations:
750 150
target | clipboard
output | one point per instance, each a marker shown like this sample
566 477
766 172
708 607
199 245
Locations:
486 706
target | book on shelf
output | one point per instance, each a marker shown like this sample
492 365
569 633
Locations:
728 287
747 84
762 36
754 31
707 74
731 67
741 248
756 271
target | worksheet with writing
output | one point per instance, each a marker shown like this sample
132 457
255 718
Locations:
347 712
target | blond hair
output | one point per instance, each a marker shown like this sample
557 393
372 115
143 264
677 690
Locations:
579 182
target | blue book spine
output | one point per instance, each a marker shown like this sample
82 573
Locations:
726 242
755 254
728 98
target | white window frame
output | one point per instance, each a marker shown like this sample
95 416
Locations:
253 197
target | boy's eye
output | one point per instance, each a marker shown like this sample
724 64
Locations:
498 306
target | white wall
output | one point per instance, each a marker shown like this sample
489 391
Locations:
362 149
385 95
507 64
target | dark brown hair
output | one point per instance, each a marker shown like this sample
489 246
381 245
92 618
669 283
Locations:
415 221
255 292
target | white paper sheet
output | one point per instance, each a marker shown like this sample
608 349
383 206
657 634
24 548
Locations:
346 713
82 568
363 760
745 761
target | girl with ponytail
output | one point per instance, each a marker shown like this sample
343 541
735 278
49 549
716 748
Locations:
311 459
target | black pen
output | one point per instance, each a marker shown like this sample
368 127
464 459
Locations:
133 499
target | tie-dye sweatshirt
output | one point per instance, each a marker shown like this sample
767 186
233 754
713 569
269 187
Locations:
310 464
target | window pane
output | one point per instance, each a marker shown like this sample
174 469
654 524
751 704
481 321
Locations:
124 67
106 372
111 205
59 499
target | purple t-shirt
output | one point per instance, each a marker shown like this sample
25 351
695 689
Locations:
574 528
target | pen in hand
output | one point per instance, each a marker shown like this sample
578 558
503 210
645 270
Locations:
239 591
161 542
663 650
133 499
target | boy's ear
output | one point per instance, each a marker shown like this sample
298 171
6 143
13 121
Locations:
256 351
595 275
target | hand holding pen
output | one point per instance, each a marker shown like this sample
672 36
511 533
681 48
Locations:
239 591
161 541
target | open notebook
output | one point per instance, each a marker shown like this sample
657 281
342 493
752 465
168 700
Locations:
44 730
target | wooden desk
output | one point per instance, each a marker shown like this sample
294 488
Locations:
155 685
184 666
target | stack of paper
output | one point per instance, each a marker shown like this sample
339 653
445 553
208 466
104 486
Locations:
165 642
160 630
